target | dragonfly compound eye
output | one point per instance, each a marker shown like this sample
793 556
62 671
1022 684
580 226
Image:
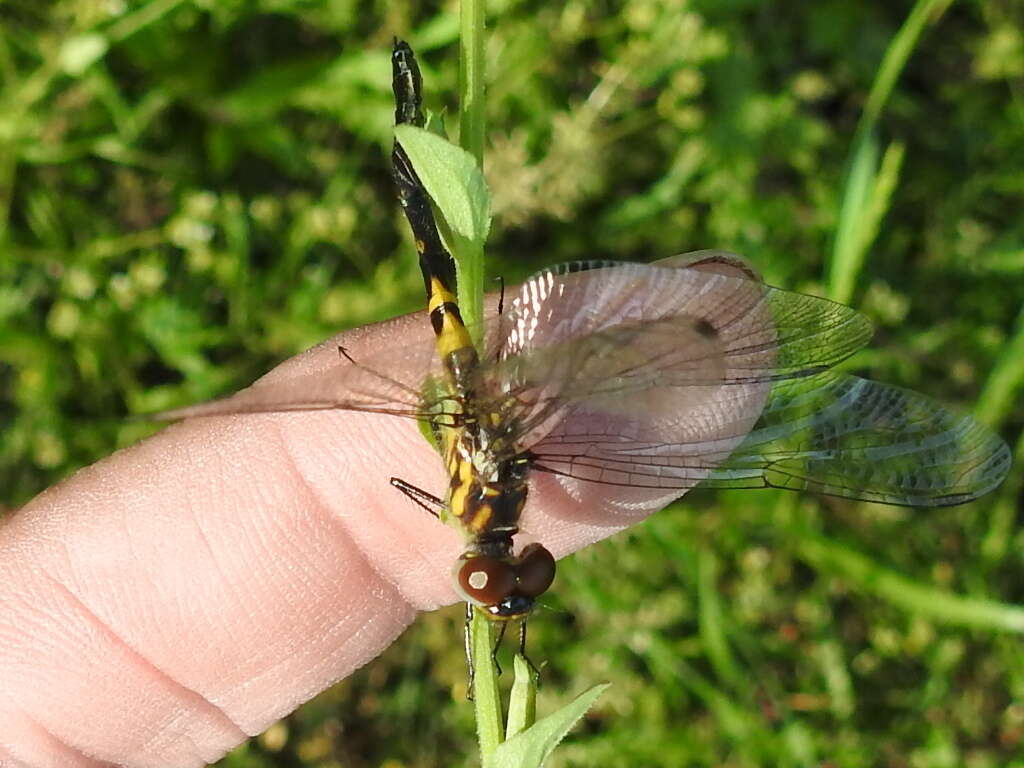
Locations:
535 572
484 580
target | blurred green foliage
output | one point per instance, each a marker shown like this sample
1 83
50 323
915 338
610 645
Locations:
192 190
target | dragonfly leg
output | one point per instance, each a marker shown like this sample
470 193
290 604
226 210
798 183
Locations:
497 646
522 652
501 351
428 501
501 294
468 638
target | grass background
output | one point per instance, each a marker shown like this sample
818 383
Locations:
191 191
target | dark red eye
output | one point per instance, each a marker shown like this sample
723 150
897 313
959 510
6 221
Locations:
535 572
484 580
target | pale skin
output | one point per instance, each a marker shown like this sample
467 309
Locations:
166 603
161 606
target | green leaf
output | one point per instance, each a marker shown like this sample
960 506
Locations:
877 204
522 701
453 180
530 748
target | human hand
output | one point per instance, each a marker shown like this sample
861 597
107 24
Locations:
164 604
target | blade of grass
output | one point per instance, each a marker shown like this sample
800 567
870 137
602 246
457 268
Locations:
848 249
922 599
865 197
142 17
896 56
994 405
881 192
1002 518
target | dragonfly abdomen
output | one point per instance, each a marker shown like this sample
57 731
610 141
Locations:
454 346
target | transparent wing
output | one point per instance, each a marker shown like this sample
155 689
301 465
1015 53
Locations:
394 378
829 433
656 346
766 333
664 377
851 437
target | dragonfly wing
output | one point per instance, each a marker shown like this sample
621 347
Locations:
382 378
851 437
830 433
803 333
666 376
656 346
637 353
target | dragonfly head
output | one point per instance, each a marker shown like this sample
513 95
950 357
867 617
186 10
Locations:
505 587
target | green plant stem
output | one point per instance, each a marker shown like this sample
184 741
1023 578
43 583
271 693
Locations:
490 729
471 79
471 138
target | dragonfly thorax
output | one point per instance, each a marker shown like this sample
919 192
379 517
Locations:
487 492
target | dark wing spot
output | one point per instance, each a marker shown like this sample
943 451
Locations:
705 329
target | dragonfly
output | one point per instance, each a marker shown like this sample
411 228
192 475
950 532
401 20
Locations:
649 379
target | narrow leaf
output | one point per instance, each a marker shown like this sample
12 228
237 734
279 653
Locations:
1005 383
522 701
530 748
850 245
847 253
865 202
877 204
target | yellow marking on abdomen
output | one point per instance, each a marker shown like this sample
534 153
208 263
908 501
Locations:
446 319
